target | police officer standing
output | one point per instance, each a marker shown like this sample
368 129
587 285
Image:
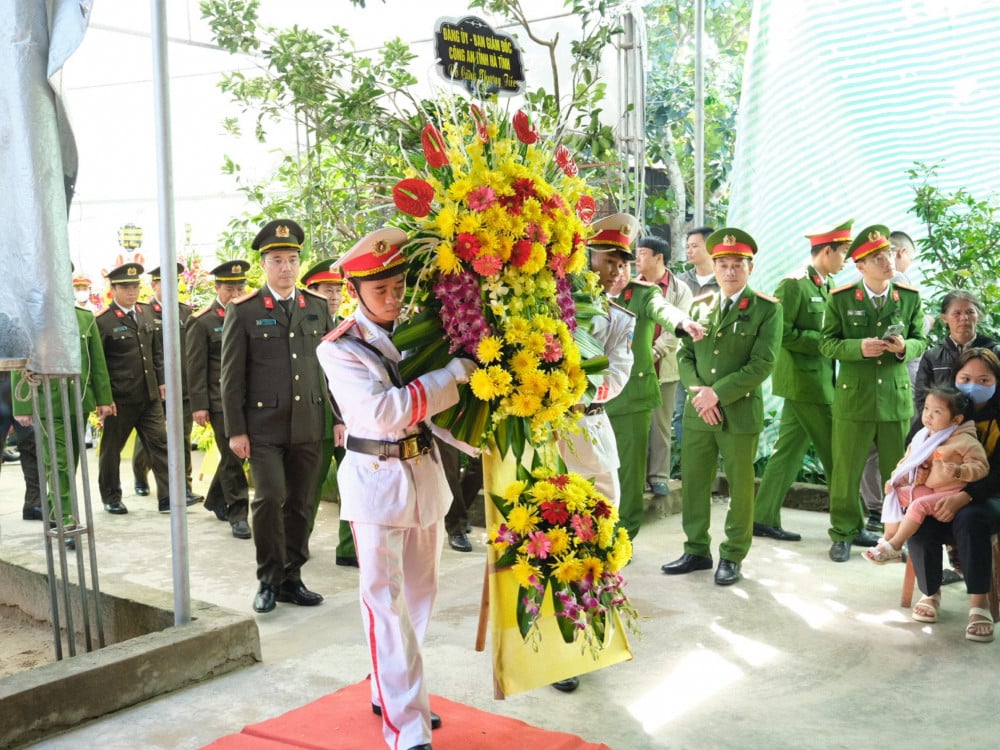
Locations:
872 327
723 373
228 494
273 397
140 463
134 354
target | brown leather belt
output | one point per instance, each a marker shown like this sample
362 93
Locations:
405 449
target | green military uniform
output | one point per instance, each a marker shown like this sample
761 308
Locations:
95 390
804 378
873 399
735 357
630 411
228 494
134 353
273 391
140 462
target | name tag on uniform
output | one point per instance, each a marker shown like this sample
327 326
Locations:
858 313
119 329
815 299
267 322
312 317
217 329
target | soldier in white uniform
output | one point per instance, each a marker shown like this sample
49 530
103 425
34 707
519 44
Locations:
393 488
593 452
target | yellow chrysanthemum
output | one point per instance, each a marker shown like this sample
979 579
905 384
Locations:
469 223
523 405
523 361
524 572
568 570
517 330
522 520
446 218
560 540
446 259
514 490
489 350
502 380
593 568
543 492
483 386
605 532
536 261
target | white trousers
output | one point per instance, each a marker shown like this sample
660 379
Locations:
398 569
593 454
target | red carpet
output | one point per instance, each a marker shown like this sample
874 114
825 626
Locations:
344 721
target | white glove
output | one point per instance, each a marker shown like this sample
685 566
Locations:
461 368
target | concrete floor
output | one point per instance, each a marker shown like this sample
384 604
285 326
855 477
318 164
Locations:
802 653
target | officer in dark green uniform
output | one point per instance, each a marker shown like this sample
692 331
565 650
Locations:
228 494
803 377
134 353
95 390
873 399
140 463
273 395
630 412
329 282
724 413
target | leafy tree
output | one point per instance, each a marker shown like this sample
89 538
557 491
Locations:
670 104
962 243
357 116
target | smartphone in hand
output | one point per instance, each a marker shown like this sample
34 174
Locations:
896 329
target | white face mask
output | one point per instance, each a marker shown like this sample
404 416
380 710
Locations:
82 295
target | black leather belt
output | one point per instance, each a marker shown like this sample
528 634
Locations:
405 449
589 410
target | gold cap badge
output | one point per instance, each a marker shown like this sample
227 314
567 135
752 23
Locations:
282 231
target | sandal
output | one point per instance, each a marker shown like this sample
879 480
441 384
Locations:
882 553
931 603
970 629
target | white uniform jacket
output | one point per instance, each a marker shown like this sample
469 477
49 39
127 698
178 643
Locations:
385 491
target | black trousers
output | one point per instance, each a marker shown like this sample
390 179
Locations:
146 418
140 462
970 531
229 485
284 478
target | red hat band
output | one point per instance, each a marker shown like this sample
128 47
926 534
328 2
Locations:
841 235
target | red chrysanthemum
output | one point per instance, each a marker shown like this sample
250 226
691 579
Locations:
520 253
554 512
467 246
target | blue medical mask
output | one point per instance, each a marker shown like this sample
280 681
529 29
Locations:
979 394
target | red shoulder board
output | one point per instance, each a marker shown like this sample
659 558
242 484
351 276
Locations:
341 329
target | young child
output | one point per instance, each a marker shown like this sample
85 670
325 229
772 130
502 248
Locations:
941 459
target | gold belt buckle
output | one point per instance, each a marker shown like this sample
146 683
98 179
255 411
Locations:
411 447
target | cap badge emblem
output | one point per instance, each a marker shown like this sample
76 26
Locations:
729 240
282 231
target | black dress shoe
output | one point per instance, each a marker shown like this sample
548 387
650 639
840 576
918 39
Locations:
347 562
727 573
241 530
568 685
776 532
265 599
865 539
840 551
295 592
117 508
31 513
460 543
141 489
164 505
193 499
687 563
435 719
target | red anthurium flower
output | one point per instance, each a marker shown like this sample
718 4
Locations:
413 197
434 148
526 132
565 162
480 119
586 207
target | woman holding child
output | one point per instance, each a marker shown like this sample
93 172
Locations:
970 516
